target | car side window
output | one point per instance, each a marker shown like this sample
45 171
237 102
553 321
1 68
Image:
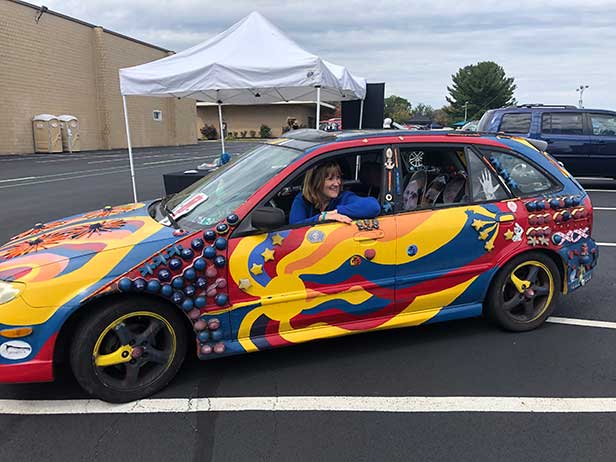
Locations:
484 184
562 123
432 177
516 122
603 124
520 176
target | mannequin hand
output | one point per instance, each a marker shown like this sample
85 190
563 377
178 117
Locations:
335 216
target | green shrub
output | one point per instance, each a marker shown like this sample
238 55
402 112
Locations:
265 131
209 132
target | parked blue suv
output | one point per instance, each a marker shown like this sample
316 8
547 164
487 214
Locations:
584 140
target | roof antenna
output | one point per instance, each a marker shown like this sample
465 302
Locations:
42 10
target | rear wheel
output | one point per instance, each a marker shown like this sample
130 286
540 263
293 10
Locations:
524 292
128 350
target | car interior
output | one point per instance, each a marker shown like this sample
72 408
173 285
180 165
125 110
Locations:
433 176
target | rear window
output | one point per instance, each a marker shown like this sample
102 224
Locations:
484 122
562 123
515 123
603 124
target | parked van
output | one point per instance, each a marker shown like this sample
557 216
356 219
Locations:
584 140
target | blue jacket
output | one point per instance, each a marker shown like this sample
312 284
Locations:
347 203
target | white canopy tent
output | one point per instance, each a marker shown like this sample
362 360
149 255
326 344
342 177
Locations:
252 62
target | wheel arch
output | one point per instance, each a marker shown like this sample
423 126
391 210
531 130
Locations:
62 348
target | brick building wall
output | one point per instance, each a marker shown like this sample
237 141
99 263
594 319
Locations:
63 66
246 118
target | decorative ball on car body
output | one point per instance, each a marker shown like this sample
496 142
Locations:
164 274
216 335
187 304
213 324
557 239
189 291
199 264
221 243
540 205
125 284
139 284
175 264
201 283
177 297
200 325
211 292
221 299
232 219
200 302
206 349
566 215
194 313
219 348
166 290
211 271
197 244
209 235
190 274
220 261
209 252
531 207
569 202
221 283
187 254
178 282
222 228
153 286
204 336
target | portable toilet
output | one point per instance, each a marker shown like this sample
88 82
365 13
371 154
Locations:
47 133
70 133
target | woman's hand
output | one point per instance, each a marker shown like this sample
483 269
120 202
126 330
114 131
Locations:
333 215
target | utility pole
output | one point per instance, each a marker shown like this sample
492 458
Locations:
465 110
581 90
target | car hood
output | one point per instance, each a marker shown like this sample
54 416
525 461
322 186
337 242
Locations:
111 236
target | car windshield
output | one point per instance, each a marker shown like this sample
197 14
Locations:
219 194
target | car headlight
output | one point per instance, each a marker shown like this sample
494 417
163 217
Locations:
9 290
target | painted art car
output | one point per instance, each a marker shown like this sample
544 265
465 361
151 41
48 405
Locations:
469 225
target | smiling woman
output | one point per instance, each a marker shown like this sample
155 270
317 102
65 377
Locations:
322 199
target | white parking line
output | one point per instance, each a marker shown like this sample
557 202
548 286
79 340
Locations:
601 190
582 322
607 244
18 179
388 404
604 208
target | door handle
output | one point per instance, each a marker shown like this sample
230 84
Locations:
369 235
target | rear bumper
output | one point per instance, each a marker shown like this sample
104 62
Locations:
38 369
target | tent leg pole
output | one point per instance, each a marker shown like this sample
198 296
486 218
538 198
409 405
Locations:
318 107
130 149
361 113
222 135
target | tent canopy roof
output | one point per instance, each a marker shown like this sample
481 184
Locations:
252 62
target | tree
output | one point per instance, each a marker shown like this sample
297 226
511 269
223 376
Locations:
422 110
397 108
481 86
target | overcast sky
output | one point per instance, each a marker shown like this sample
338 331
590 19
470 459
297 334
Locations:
550 48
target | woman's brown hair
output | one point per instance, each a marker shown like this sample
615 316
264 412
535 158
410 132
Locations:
315 179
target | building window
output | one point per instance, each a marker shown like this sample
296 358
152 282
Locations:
157 115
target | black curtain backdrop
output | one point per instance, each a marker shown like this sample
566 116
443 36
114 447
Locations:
374 109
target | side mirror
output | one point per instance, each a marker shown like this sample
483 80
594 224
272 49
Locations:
266 218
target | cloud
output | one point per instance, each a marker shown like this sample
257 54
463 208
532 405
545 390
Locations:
549 47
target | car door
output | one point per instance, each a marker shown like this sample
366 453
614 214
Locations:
567 140
302 282
602 161
450 221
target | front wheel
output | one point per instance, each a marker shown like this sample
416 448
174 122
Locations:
128 350
524 292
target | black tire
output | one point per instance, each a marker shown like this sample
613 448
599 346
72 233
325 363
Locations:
524 292
129 349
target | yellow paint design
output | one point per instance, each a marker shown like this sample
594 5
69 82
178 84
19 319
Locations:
41 298
268 255
277 239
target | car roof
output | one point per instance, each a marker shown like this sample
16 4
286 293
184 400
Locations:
549 108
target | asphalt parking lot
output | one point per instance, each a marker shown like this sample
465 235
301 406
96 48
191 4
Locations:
459 391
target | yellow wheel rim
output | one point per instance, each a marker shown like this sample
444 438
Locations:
528 291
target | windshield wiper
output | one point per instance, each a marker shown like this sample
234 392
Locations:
168 213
